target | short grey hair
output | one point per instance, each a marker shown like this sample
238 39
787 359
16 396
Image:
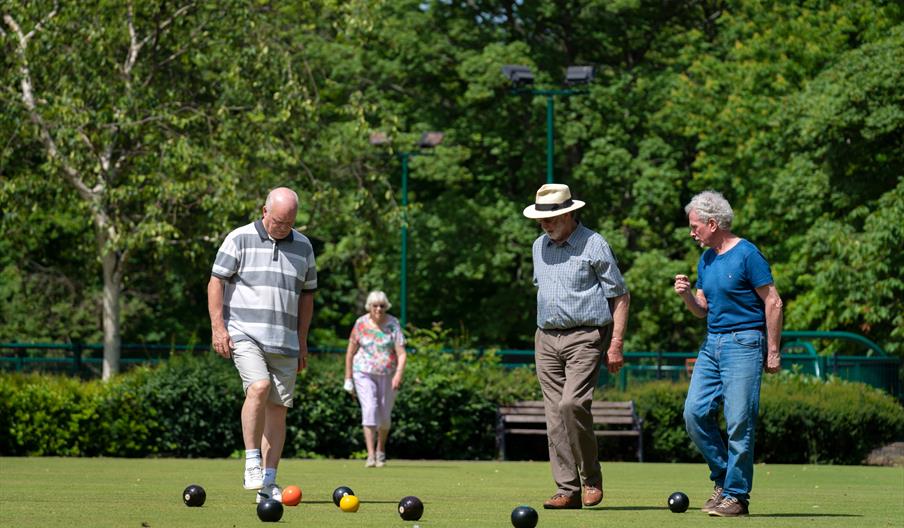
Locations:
377 297
269 203
712 205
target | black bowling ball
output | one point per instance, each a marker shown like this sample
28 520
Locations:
524 517
269 510
194 496
678 502
411 508
340 492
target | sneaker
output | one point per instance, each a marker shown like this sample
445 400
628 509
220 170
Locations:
381 459
370 462
730 507
269 491
254 478
713 501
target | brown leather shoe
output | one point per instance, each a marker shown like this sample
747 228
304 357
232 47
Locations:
592 495
560 501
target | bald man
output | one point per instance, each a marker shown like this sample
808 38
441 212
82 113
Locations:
261 299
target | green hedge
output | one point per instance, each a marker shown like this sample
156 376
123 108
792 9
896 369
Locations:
186 407
446 408
802 420
190 406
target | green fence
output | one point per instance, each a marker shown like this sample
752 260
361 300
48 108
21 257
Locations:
86 359
800 350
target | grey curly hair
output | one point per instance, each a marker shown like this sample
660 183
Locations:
712 205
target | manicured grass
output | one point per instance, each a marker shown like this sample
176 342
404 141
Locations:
70 493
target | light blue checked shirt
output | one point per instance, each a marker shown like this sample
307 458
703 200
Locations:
575 280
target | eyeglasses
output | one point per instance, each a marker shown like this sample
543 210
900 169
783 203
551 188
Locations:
378 306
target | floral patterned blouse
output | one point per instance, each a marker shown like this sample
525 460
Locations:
376 345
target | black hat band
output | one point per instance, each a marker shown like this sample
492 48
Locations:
554 207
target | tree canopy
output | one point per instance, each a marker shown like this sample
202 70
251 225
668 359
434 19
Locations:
177 117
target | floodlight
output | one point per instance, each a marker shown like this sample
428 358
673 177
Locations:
518 75
379 139
430 139
579 75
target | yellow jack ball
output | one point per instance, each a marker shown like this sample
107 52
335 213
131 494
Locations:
349 504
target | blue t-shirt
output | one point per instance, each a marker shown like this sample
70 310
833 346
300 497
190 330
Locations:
729 282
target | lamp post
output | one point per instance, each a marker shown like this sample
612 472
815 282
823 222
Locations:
522 78
428 140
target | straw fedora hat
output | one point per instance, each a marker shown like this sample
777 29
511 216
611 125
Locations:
553 199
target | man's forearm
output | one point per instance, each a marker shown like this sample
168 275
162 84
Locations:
774 321
619 306
305 314
215 303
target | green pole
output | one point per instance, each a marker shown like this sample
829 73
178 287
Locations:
549 136
403 301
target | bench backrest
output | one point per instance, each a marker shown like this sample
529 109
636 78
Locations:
604 412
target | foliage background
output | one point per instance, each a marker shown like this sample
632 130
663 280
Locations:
795 110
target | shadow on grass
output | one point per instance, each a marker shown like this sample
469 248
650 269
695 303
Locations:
625 508
777 515
803 515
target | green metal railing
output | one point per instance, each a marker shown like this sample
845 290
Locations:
86 359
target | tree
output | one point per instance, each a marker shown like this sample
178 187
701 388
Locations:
115 98
791 108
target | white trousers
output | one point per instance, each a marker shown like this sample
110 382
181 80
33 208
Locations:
376 396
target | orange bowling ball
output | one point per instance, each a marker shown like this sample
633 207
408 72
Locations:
291 495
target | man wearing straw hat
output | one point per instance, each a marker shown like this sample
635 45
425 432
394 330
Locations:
582 311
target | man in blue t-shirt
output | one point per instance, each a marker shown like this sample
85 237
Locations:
736 294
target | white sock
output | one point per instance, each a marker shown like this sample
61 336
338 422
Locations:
269 476
252 458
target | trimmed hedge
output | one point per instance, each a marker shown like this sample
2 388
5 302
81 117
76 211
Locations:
446 408
802 420
190 407
186 407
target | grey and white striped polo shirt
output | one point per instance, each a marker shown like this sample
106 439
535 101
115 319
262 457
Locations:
264 280
575 280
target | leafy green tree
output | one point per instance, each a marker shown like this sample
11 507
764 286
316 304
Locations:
791 109
143 114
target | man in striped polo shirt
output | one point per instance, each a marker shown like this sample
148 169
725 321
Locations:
261 299
582 311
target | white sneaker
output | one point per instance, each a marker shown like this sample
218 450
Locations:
381 459
254 478
370 463
269 491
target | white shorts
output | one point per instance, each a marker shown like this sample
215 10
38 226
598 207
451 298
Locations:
377 397
254 365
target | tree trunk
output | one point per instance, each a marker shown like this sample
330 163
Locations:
112 291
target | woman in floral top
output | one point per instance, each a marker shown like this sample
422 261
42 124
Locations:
374 363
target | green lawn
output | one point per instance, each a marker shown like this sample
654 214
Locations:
78 492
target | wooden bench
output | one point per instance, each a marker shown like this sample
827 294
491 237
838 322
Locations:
529 417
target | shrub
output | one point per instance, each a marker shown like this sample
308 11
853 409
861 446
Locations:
190 407
128 422
446 409
325 420
802 419
661 406
47 415
195 405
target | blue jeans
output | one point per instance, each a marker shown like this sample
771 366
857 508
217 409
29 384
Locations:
728 371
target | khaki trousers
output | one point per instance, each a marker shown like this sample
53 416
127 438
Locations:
568 366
